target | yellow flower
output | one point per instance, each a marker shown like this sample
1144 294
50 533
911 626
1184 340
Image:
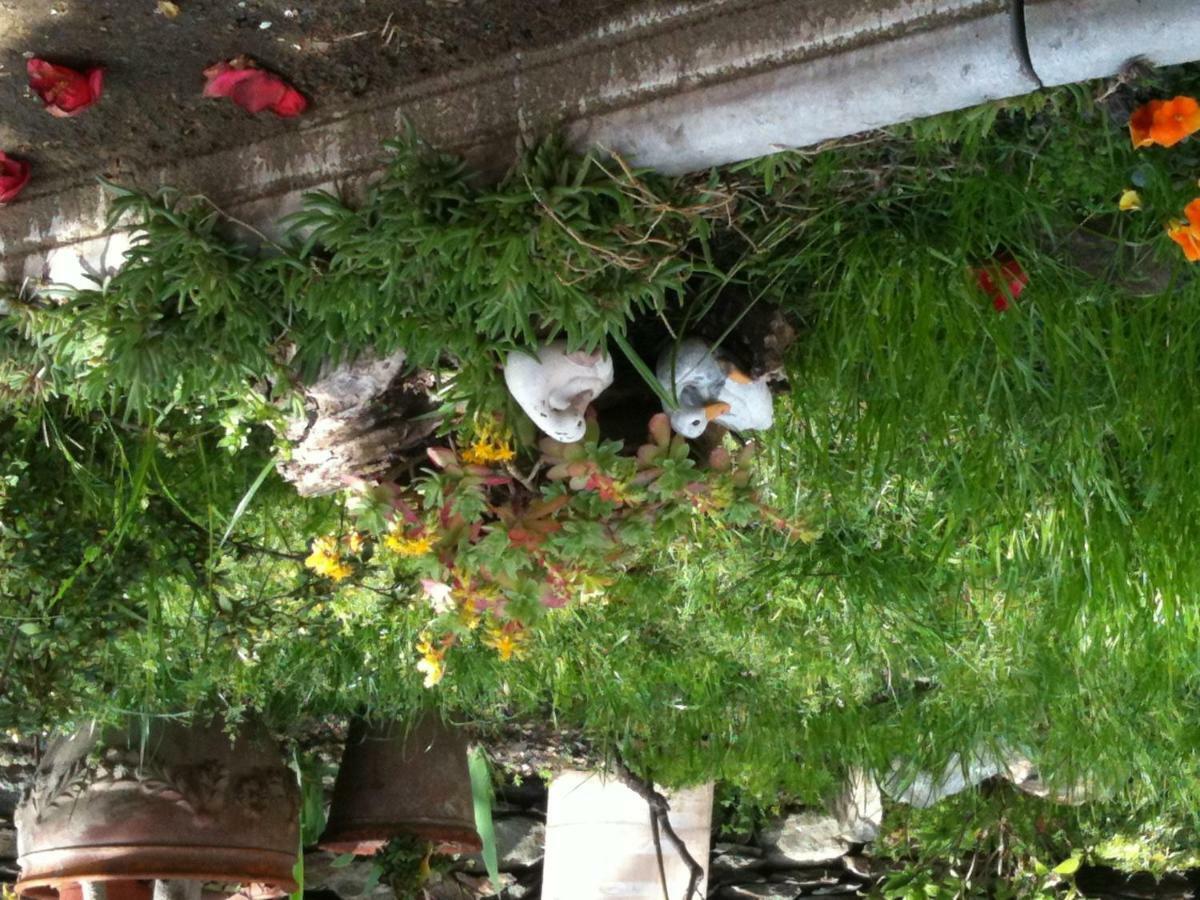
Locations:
508 640
491 444
432 662
468 614
326 561
398 542
1130 200
356 542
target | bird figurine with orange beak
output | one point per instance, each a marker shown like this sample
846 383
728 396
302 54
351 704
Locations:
709 389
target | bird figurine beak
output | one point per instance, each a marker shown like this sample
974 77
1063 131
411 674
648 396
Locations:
716 410
738 375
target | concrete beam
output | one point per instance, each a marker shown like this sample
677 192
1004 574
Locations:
677 87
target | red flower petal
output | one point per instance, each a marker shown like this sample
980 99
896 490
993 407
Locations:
65 91
224 79
14 174
1002 280
252 88
261 91
292 103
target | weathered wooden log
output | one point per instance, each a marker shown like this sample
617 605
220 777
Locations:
364 419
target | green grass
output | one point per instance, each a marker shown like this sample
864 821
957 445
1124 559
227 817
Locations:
1006 503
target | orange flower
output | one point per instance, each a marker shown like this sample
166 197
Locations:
1187 234
1164 122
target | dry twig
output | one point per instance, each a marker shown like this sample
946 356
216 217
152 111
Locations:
660 816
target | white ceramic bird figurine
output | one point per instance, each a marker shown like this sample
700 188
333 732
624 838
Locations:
709 389
554 387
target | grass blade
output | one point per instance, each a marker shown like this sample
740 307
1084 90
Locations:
481 793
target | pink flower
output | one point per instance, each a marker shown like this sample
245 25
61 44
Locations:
253 89
65 91
438 594
14 173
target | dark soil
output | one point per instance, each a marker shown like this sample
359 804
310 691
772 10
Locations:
340 53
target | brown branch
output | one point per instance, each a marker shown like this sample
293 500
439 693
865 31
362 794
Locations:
662 869
660 811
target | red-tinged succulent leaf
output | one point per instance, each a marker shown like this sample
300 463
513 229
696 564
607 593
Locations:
523 537
542 508
577 469
558 472
646 476
14 175
741 478
660 429
720 460
647 454
64 91
578 482
679 448
552 600
746 454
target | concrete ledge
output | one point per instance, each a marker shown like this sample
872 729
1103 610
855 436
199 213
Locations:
676 87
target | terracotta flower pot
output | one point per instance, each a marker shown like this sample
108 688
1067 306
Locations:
393 782
190 805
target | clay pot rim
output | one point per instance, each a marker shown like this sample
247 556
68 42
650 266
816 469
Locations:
447 835
150 862
58 882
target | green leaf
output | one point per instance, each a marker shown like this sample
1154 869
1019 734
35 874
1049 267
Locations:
244 503
481 793
644 370
1069 866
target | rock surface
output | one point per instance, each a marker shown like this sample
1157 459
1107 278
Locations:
520 844
804 838
347 881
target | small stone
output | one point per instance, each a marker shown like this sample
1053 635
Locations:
730 863
804 838
467 887
780 891
520 843
350 882
738 849
807 880
861 867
